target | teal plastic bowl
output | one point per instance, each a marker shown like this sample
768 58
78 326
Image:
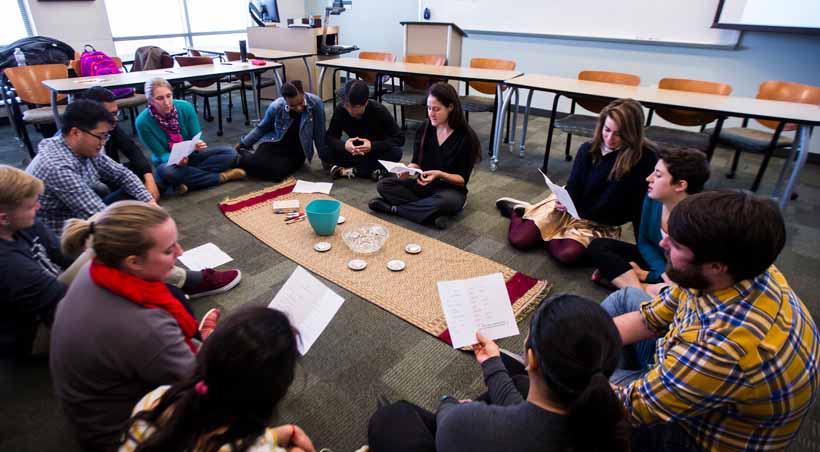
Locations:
322 215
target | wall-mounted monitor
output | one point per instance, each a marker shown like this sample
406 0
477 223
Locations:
263 11
793 16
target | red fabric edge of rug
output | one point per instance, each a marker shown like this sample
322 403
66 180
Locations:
226 207
517 286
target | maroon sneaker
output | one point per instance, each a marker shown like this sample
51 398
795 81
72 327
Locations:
214 281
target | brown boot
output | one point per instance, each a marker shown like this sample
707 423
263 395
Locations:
231 174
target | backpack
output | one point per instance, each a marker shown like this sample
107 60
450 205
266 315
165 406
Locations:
93 62
38 50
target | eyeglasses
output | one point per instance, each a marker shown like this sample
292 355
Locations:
103 139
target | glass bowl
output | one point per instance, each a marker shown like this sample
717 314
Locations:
365 239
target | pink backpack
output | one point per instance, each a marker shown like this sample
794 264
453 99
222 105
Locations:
93 62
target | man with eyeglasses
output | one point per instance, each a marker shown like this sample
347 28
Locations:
72 165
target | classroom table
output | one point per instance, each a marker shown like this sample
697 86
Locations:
806 116
71 86
263 54
399 69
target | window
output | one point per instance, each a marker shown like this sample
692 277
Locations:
15 21
175 24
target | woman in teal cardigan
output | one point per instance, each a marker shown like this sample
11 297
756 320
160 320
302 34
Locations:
678 174
166 122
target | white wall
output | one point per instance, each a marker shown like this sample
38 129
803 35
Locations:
75 23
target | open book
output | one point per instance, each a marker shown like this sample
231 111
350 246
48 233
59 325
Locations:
398 167
563 196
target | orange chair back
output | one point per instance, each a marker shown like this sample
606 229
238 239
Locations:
196 61
27 81
787 92
370 76
618 78
422 82
685 117
489 63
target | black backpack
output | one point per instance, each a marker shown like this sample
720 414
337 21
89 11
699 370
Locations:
38 50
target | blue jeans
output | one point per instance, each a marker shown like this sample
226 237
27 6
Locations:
202 170
637 358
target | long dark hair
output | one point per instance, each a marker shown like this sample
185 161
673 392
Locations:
628 114
247 365
577 347
447 95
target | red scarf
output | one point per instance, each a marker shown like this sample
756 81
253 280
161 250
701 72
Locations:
148 294
169 124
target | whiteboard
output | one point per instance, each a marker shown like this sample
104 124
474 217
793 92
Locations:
682 22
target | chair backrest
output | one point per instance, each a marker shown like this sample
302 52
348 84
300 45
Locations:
686 117
489 63
786 92
370 76
196 61
27 81
193 52
618 78
422 82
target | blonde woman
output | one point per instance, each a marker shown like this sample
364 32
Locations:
120 331
607 185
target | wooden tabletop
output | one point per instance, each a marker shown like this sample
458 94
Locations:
399 69
729 105
204 71
262 54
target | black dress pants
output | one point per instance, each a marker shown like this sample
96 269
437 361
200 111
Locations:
420 203
273 161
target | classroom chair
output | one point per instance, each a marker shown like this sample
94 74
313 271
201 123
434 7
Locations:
212 87
375 81
27 83
246 85
584 125
130 103
706 142
413 90
480 104
743 139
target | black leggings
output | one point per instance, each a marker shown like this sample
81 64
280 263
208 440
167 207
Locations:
611 257
420 203
273 161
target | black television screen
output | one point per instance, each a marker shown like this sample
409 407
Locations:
268 10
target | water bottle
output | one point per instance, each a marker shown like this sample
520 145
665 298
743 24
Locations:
19 57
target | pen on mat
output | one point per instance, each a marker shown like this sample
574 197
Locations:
285 211
295 220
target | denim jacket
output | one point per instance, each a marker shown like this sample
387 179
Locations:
277 121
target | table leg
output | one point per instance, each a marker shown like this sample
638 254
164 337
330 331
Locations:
523 144
309 74
322 81
515 119
55 111
801 141
257 102
503 102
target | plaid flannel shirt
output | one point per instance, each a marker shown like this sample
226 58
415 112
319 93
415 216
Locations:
737 368
69 179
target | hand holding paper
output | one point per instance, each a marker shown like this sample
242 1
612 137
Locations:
183 149
477 304
563 196
398 167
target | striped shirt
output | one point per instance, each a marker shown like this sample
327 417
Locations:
69 180
737 368
140 430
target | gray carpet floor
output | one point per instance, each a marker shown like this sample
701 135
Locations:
366 352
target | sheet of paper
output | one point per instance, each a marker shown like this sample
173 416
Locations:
288 204
303 186
398 168
183 149
309 304
563 195
89 81
477 304
204 256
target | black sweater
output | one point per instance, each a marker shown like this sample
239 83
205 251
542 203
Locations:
376 125
120 142
605 201
454 156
